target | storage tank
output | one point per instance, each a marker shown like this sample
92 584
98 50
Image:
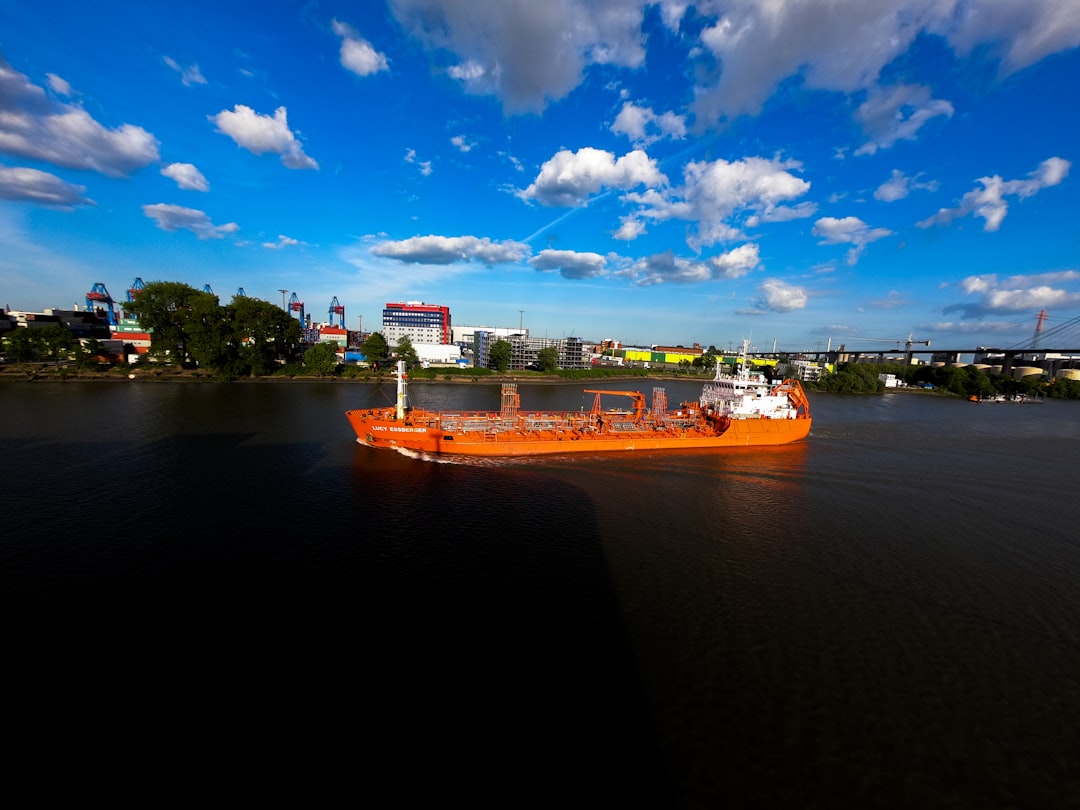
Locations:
1026 371
1069 374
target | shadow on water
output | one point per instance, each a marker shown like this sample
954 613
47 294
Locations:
369 616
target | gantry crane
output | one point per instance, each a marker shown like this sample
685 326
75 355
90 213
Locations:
339 310
297 306
101 303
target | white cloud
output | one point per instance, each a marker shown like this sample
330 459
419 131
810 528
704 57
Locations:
569 178
720 195
30 185
463 143
779 296
425 165
1021 32
899 185
282 242
853 230
570 264
524 52
842 45
59 85
667 268
188 75
737 262
896 113
643 127
1021 293
630 228
33 126
357 54
263 133
186 176
450 249
176 217
989 201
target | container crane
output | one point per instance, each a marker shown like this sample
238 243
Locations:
133 290
339 310
101 303
240 293
297 306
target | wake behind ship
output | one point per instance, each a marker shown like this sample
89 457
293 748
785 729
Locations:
738 410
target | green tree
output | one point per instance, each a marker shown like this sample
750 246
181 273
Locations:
375 349
261 334
548 358
405 351
186 323
19 346
321 358
499 354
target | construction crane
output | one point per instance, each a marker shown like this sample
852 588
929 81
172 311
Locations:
101 303
897 341
339 310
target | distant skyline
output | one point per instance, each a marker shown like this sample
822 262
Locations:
797 171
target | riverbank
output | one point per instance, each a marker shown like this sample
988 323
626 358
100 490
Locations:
37 372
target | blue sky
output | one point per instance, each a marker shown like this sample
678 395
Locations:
797 172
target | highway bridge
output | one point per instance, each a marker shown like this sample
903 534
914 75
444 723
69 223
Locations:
1046 358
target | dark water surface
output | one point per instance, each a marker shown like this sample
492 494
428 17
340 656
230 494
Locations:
214 582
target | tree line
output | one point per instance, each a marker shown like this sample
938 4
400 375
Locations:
963 381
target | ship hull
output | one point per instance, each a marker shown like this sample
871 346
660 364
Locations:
380 428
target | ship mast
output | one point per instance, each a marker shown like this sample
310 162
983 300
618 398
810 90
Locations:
402 397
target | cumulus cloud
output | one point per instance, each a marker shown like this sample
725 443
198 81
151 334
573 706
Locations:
842 45
721 196
899 185
989 201
667 268
897 113
263 133
1019 293
30 185
186 176
570 264
450 249
357 54
736 263
779 296
569 178
643 127
176 217
525 53
188 75
853 230
35 127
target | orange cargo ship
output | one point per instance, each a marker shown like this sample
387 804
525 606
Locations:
739 410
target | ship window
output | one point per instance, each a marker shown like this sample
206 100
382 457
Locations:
448 438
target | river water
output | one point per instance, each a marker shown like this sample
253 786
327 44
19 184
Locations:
219 582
